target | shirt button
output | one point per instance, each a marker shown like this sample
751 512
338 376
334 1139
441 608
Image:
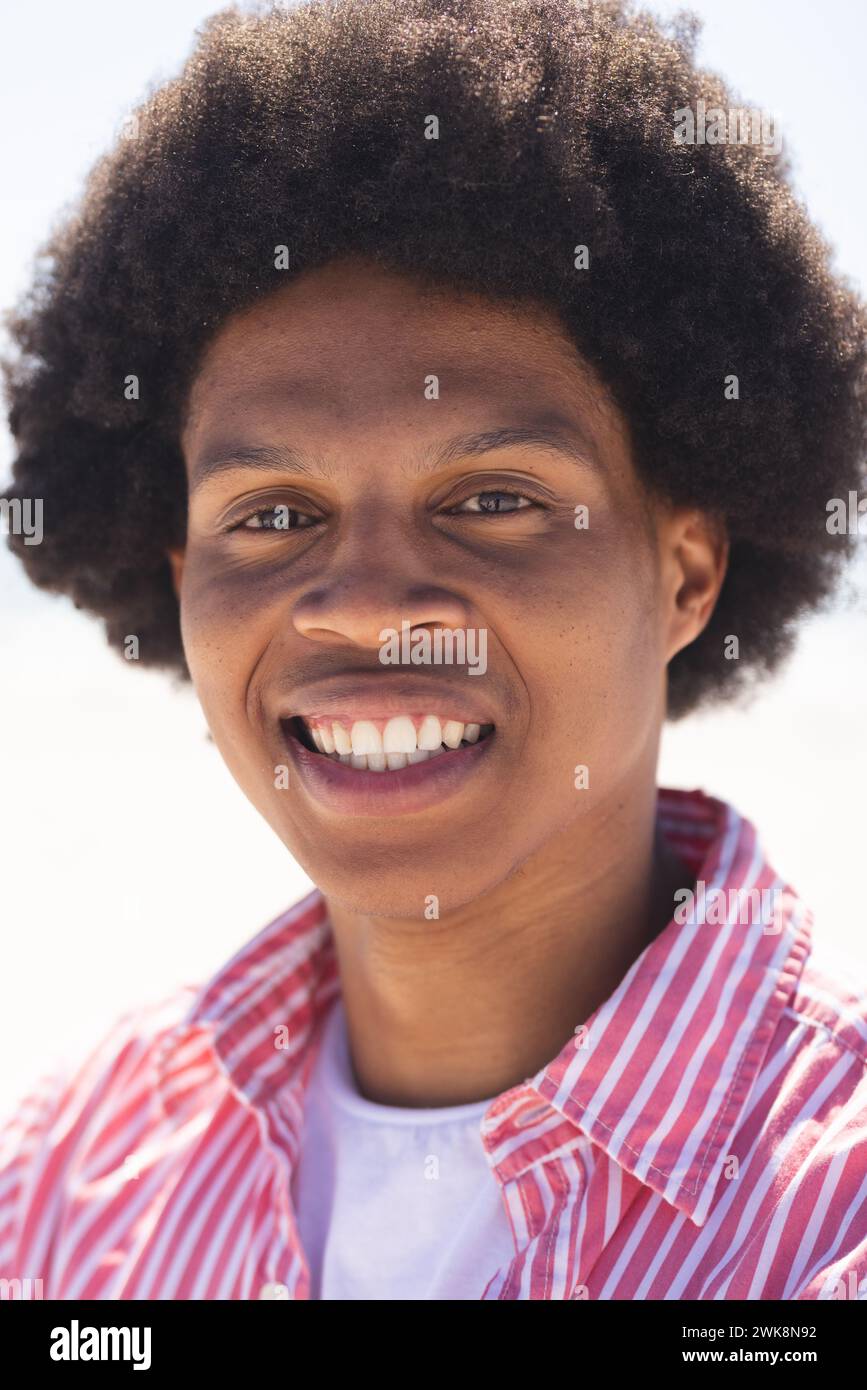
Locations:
274 1291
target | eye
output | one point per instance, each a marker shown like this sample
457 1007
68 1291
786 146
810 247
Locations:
494 502
278 518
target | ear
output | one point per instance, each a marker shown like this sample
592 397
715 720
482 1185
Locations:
695 554
176 563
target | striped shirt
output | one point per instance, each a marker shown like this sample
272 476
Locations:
702 1136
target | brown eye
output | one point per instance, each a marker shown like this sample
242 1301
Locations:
495 502
279 518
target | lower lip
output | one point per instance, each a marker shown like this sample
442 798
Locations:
352 791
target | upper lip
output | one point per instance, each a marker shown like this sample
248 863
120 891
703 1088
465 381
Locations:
374 696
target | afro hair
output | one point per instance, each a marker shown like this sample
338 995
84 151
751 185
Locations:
305 128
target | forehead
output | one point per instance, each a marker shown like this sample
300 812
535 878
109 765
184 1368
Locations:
347 344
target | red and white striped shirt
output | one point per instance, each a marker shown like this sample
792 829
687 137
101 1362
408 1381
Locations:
703 1137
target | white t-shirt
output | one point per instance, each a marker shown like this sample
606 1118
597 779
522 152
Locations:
393 1203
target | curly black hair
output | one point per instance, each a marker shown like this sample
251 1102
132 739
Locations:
305 128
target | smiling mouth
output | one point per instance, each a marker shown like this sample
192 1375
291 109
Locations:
383 745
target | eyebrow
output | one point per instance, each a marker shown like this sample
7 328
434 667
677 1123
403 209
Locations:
569 441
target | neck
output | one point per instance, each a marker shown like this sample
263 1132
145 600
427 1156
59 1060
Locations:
461 1009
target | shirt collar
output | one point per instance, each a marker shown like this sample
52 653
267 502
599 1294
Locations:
657 1077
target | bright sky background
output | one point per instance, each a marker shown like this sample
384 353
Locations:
131 862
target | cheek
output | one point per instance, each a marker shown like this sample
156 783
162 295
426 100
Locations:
224 639
224 623
584 637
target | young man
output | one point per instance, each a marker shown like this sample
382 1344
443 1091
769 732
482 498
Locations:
406 382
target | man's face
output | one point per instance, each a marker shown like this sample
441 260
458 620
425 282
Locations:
367 507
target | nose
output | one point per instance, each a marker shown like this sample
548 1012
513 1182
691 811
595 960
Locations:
366 599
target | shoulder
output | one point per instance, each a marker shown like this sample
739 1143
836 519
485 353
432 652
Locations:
85 1076
62 1112
802 1138
831 1000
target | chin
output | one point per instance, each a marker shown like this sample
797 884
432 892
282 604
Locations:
406 895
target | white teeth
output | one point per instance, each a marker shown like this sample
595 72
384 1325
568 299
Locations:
398 745
342 741
366 738
430 735
398 736
365 762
